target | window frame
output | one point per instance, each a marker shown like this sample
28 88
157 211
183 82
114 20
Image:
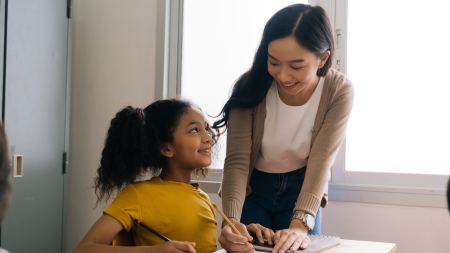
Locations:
366 187
377 187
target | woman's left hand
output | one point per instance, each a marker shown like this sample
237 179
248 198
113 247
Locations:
262 233
291 239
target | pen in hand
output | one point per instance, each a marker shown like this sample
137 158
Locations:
235 230
148 228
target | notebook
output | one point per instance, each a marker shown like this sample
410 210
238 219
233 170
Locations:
318 243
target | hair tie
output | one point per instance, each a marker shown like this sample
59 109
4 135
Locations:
141 114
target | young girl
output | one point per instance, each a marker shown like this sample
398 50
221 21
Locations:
170 137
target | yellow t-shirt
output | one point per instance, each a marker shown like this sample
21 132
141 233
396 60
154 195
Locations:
180 211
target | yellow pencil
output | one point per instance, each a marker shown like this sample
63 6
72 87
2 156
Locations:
235 230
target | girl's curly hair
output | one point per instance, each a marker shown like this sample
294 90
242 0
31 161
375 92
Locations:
133 144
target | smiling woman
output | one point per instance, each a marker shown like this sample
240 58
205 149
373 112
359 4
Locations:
286 119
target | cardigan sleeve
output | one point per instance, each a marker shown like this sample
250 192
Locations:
237 161
324 149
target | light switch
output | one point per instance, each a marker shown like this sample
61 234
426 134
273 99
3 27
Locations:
17 165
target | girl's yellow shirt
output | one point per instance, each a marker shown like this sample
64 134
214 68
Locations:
179 211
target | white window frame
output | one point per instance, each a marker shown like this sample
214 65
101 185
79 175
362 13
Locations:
368 187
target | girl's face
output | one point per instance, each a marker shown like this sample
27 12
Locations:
294 68
191 146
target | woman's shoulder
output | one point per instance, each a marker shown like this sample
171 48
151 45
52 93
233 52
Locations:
337 82
337 79
239 116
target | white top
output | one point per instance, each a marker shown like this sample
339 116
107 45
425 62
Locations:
287 132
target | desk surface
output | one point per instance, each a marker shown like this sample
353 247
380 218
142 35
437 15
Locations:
352 246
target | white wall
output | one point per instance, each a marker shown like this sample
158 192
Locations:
113 65
413 229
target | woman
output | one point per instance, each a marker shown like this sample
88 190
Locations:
286 119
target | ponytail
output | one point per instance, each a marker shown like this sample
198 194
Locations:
125 155
133 144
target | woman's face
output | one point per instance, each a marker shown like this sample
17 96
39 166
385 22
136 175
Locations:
294 68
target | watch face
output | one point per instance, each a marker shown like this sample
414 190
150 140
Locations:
310 220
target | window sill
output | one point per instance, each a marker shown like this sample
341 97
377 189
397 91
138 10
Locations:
211 183
378 194
373 194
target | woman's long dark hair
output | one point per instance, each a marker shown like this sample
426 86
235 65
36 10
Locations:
309 25
133 144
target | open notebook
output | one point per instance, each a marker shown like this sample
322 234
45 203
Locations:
318 244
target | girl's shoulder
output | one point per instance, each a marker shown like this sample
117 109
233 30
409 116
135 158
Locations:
158 183
148 183
137 187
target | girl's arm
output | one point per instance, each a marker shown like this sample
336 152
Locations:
101 234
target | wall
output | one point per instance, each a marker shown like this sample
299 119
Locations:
113 65
413 229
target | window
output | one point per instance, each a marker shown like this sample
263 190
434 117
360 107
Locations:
400 120
394 53
397 137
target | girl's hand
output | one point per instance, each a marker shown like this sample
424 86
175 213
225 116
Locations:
291 239
233 242
262 233
176 247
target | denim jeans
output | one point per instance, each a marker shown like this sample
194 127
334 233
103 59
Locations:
272 200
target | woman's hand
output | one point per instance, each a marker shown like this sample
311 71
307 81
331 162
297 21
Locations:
262 233
291 239
233 242
175 247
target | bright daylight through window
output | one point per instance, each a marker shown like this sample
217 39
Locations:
400 121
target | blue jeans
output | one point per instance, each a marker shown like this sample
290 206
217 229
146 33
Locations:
272 200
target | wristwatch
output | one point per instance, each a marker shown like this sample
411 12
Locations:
307 219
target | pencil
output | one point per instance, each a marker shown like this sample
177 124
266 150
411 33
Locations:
148 228
235 230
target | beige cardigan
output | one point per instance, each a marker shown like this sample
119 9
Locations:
244 137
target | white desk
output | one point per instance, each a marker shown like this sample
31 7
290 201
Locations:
352 246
